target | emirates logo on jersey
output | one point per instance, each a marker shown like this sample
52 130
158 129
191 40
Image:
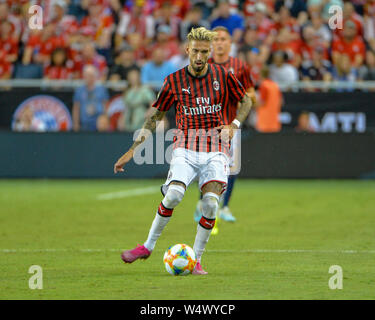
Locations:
216 85
203 107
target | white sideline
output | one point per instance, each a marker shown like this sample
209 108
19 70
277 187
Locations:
127 193
208 251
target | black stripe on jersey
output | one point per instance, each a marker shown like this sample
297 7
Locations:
194 90
224 90
178 107
181 84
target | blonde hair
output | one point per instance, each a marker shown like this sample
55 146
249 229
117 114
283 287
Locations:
201 34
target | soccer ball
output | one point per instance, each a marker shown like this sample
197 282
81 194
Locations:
179 260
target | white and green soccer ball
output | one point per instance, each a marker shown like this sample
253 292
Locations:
180 259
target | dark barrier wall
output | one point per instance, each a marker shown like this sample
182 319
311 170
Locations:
293 155
92 155
329 111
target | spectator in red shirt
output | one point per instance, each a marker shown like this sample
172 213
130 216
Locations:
180 7
65 24
41 44
309 42
60 68
5 15
163 41
286 42
89 56
135 21
8 50
136 43
102 22
265 27
350 44
349 14
252 56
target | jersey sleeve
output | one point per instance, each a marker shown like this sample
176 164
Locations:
236 90
165 98
246 79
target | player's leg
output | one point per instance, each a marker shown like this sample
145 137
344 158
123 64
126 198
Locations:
180 175
210 203
213 177
172 198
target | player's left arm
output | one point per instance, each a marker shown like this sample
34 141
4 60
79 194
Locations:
244 108
245 105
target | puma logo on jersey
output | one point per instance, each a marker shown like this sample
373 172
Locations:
186 90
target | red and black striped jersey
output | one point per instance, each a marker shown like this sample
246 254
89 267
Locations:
198 102
242 72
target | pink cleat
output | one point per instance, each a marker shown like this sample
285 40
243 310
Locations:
198 269
140 252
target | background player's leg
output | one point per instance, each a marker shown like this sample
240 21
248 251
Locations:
225 213
198 209
172 198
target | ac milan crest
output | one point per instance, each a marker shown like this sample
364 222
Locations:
216 85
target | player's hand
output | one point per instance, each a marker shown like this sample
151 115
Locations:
252 96
122 161
227 131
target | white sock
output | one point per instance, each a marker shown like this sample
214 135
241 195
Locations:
172 198
210 204
156 229
201 240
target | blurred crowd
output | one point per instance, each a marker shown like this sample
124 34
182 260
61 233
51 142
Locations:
116 36
142 41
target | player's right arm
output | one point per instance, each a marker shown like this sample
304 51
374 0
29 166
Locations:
148 127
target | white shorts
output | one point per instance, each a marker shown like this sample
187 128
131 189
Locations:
187 165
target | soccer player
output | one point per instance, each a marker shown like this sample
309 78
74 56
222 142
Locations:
198 92
221 49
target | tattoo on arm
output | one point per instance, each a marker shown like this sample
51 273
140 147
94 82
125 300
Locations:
148 127
245 106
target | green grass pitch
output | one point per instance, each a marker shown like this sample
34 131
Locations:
287 236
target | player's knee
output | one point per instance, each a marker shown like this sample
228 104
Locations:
173 196
210 204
